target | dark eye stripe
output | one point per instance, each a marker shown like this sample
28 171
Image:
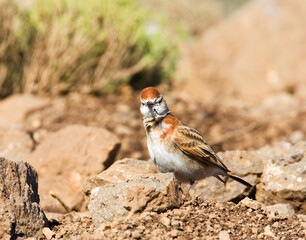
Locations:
158 100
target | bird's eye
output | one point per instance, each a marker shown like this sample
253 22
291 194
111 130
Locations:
158 100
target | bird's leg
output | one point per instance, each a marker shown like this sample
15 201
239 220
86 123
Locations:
189 187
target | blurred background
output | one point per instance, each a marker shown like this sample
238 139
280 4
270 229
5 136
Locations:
233 69
54 47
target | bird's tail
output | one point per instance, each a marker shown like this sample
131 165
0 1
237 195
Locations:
238 179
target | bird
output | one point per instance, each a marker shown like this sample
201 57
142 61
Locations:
177 148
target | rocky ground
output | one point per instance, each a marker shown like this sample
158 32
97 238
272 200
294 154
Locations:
88 175
196 219
132 198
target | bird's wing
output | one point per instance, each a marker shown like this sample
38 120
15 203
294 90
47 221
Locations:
192 144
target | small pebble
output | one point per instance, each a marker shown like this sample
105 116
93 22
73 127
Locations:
48 233
224 235
174 233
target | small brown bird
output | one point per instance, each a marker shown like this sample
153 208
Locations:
174 147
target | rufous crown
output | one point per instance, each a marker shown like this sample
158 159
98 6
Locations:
149 93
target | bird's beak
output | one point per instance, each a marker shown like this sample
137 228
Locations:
150 104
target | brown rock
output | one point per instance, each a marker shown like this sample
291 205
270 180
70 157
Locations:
165 221
15 143
246 164
20 213
49 234
253 204
120 171
283 179
157 192
136 235
174 233
66 158
268 231
14 109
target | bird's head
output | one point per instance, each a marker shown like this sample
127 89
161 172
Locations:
153 105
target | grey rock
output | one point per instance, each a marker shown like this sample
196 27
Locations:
156 192
20 212
284 177
284 210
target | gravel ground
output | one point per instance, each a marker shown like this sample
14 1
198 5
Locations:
196 219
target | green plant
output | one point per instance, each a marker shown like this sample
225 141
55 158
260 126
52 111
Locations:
10 49
90 46
87 46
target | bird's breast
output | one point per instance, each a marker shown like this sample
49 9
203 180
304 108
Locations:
167 158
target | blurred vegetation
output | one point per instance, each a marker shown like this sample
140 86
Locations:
58 46
188 18
192 17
